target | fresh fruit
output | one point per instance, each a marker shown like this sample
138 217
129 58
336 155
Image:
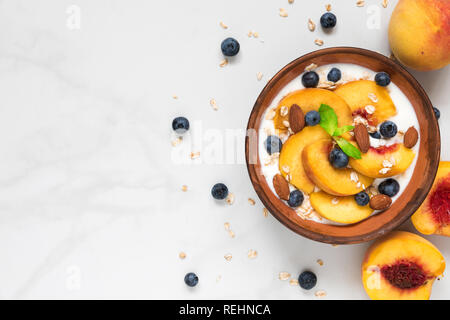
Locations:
433 216
312 118
219 191
382 79
290 157
180 125
339 182
401 266
296 118
437 113
339 209
411 137
384 161
307 280
296 199
328 20
312 99
380 202
310 79
389 187
362 199
281 186
273 144
419 33
338 158
388 129
362 137
375 135
230 47
191 279
363 93
334 75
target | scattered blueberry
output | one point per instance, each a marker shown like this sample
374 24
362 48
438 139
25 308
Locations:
382 79
219 191
180 125
437 113
191 279
388 129
310 79
328 20
338 158
375 135
312 118
389 187
362 198
307 280
295 198
273 144
230 47
334 75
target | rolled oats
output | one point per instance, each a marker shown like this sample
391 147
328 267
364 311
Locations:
311 25
223 63
283 13
252 254
251 201
283 276
318 42
223 25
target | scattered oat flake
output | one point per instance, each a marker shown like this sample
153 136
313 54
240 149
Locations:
291 1
318 42
270 114
328 7
255 34
385 3
177 141
370 109
251 201
213 104
252 254
320 293
284 111
227 226
182 255
228 257
335 201
286 168
311 67
250 34
265 212
373 97
384 170
184 188
286 123
223 25
175 97
293 282
223 63
360 3
231 234
230 198
195 155
311 25
320 262
283 276
354 176
283 13
259 76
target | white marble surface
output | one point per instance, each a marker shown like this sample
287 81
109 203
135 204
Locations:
90 200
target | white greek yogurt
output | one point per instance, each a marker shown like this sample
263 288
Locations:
405 118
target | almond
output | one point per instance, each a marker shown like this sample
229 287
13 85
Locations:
411 137
296 118
281 186
362 137
380 202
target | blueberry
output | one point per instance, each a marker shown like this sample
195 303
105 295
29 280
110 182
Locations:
230 47
389 187
362 199
328 20
382 79
312 118
307 280
375 135
338 158
219 191
180 125
191 279
295 198
334 75
310 79
437 113
273 144
388 129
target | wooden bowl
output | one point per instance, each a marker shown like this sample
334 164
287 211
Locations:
424 173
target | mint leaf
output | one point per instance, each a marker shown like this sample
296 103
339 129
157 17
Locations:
328 119
342 130
348 148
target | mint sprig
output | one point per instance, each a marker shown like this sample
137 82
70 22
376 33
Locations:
329 122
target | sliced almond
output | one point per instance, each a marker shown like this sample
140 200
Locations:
380 202
296 118
411 137
362 137
281 186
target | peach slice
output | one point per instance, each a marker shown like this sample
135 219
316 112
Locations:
339 182
401 266
433 216
362 93
291 156
339 209
396 157
311 99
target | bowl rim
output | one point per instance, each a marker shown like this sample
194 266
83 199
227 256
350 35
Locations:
400 217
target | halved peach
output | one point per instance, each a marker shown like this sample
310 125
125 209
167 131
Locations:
396 157
433 216
311 99
401 266
291 156
339 209
339 182
361 93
